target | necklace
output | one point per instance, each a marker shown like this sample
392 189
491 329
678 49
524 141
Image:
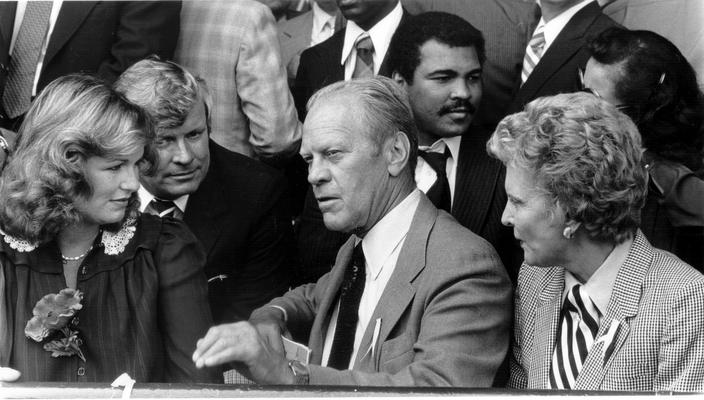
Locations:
76 258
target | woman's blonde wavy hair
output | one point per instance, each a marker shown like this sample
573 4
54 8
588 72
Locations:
74 118
585 156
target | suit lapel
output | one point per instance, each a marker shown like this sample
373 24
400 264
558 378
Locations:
324 312
203 210
622 308
566 44
70 17
298 35
475 181
399 291
547 315
7 22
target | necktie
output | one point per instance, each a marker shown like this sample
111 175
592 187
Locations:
25 55
348 314
533 53
364 67
163 208
439 193
579 324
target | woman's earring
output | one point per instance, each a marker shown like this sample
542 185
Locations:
567 233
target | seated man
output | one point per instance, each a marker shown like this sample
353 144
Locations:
414 298
234 205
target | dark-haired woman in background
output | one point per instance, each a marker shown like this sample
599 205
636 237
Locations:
648 78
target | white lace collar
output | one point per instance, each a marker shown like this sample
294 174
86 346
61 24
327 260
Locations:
113 242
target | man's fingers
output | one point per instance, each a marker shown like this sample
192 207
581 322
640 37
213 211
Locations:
9 374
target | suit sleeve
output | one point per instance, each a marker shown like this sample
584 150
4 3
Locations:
184 312
144 28
266 271
680 360
518 378
262 86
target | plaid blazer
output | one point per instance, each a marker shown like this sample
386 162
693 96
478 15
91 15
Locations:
650 338
234 46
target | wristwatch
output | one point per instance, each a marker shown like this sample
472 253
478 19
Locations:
301 375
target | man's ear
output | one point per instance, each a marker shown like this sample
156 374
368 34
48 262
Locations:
398 78
398 149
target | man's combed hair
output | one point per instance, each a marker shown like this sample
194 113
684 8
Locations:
386 109
74 118
659 88
585 156
448 29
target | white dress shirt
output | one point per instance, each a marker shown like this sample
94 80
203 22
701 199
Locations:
19 17
555 25
426 175
381 246
145 198
380 34
323 25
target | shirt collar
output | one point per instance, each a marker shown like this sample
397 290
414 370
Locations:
380 33
145 198
321 17
387 234
452 143
601 283
555 25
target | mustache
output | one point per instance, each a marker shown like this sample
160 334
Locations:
462 103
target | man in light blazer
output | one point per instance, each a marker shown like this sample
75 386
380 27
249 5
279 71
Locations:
433 300
306 30
234 46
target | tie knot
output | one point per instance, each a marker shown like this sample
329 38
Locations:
162 207
583 304
364 43
437 161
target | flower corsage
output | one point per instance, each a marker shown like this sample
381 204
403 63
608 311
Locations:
53 318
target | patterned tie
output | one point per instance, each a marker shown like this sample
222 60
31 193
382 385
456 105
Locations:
579 324
348 315
364 67
25 55
163 208
439 194
533 53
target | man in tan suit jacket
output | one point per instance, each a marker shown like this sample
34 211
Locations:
435 305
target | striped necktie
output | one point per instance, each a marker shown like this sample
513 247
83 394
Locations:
579 325
364 66
533 53
25 56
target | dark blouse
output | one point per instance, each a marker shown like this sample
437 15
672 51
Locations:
143 309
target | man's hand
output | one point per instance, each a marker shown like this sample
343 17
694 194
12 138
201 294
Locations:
9 374
262 356
270 324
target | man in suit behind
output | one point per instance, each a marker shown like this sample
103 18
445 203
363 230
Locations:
557 49
234 205
102 37
370 25
414 299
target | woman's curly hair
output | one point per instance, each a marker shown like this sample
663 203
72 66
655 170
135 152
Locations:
585 156
74 118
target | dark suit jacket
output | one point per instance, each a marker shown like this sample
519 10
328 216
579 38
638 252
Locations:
103 37
444 313
478 203
320 66
557 70
239 215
